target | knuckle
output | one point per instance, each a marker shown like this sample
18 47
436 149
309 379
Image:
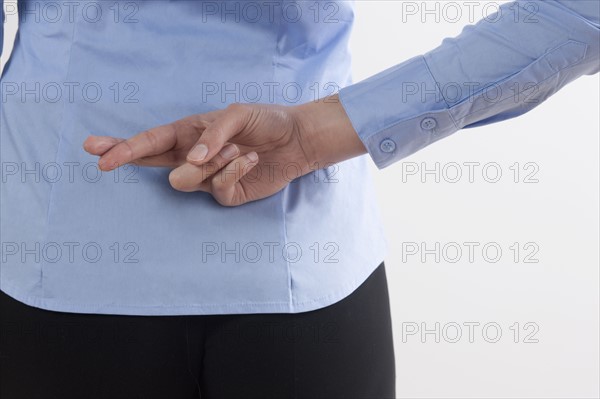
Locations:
128 150
213 133
181 123
152 139
237 107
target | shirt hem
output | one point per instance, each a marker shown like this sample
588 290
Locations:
186 309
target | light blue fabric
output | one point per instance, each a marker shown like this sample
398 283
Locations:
167 252
501 67
127 243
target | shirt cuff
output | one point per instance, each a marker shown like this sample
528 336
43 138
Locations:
405 111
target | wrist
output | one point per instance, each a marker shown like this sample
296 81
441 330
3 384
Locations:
326 133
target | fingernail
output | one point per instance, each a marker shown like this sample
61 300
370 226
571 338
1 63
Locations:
198 153
252 156
229 151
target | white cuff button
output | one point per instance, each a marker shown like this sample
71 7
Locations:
428 124
387 146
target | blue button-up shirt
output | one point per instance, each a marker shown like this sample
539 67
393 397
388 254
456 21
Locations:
78 240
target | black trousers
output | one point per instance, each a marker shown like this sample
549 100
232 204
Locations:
344 350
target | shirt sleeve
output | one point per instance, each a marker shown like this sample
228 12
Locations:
501 67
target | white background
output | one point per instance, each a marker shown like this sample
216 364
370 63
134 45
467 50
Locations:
558 295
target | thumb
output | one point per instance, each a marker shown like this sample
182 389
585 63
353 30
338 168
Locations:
233 120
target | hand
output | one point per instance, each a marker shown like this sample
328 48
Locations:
243 153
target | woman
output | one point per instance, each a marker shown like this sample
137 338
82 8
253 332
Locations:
237 251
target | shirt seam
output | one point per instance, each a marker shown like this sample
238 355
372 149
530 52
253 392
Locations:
60 125
448 106
283 195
